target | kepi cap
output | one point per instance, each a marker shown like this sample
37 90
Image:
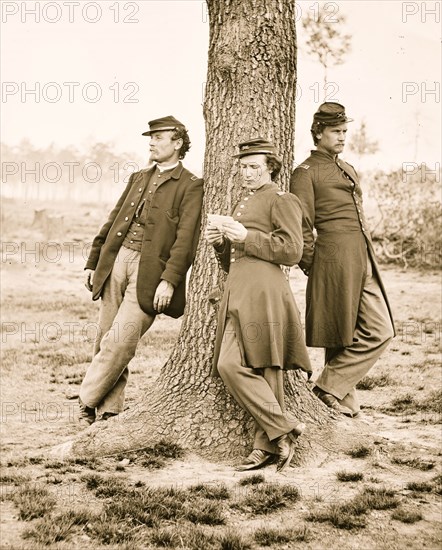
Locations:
256 146
164 123
330 114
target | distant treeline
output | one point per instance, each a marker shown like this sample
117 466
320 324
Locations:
404 207
53 173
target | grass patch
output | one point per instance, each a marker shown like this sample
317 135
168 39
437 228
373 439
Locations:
343 475
231 540
26 461
50 530
370 382
254 479
267 536
377 498
437 484
62 467
109 532
105 487
352 514
14 478
420 486
360 451
33 502
403 404
433 402
417 463
203 511
145 506
409 405
215 492
267 498
154 457
341 516
191 537
406 516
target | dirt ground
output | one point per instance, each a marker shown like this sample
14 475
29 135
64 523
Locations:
47 328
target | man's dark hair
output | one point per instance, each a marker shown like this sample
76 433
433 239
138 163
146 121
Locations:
274 164
317 128
181 133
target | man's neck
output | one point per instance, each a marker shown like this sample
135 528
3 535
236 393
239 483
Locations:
325 152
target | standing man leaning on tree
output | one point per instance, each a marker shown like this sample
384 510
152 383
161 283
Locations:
259 333
138 264
347 310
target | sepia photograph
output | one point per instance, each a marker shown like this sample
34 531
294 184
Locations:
221 287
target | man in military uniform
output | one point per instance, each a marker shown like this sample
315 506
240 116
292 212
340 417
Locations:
347 310
266 232
138 263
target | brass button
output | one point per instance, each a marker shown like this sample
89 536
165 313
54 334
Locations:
119 234
232 260
140 189
132 204
238 214
126 219
241 206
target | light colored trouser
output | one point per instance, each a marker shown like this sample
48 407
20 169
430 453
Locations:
121 324
258 391
345 367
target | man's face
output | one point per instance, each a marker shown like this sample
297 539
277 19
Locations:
162 148
254 171
332 139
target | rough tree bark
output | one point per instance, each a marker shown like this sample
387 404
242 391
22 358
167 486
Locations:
250 91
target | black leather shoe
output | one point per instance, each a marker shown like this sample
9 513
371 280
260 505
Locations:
286 449
332 402
86 414
106 416
256 459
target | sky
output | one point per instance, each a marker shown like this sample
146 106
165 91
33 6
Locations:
80 72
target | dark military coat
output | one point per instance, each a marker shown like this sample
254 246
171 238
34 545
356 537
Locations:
170 237
257 295
336 261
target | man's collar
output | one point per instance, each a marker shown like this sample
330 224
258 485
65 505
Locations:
324 154
167 168
175 172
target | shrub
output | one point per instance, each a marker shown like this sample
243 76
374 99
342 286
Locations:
409 229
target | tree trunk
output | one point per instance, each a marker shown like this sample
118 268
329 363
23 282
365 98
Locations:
250 91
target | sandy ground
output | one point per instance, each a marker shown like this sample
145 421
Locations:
46 316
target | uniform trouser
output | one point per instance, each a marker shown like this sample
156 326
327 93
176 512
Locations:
345 367
121 324
258 391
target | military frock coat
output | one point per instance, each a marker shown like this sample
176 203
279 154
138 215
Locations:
336 260
169 242
257 296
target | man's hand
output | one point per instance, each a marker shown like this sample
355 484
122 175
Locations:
163 296
89 279
213 235
235 232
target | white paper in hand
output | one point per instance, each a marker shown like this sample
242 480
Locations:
218 221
